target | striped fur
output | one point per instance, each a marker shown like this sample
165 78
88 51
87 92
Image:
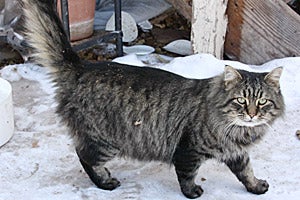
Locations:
149 114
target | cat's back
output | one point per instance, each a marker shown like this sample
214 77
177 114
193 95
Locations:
116 71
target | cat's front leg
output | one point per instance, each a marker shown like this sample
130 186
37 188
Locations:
241 167
186 166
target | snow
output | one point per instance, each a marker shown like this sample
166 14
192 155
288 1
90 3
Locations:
39 162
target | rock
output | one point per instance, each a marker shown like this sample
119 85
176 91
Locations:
129 27
298 134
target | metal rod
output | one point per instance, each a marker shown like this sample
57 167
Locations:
95 41
118 27
55 5
65 16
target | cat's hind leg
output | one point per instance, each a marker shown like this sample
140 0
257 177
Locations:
93 158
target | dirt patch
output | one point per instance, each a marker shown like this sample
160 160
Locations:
8 55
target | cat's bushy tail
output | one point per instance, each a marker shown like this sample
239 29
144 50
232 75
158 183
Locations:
45 34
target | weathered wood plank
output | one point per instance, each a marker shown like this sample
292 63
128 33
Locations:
209 24
184 7
259 31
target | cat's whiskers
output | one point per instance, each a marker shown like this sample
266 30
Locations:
273 131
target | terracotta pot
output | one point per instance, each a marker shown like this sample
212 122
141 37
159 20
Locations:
81 18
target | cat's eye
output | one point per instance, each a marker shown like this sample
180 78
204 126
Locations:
262 101
241 100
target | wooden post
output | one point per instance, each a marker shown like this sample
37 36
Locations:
209 24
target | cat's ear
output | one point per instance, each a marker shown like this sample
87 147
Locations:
231 77
272 78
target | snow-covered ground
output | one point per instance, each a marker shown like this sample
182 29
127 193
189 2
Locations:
39 162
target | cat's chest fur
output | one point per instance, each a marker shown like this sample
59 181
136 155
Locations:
213 140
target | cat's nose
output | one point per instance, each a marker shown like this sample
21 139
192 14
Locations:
252 115
252 111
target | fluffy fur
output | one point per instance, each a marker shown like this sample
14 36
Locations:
149 114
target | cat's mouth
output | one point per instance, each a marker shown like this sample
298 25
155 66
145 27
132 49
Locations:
250 122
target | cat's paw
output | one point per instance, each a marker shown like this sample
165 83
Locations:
193 192
109 184
261 187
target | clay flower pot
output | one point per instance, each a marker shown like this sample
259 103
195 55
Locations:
81 18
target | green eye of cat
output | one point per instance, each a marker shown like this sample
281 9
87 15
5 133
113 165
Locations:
262 101
241 100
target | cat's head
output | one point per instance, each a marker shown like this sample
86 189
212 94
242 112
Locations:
252 99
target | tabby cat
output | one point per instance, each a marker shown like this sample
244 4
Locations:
150 114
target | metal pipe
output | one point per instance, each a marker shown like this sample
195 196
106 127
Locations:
95 41
55 5
118 27
65 16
